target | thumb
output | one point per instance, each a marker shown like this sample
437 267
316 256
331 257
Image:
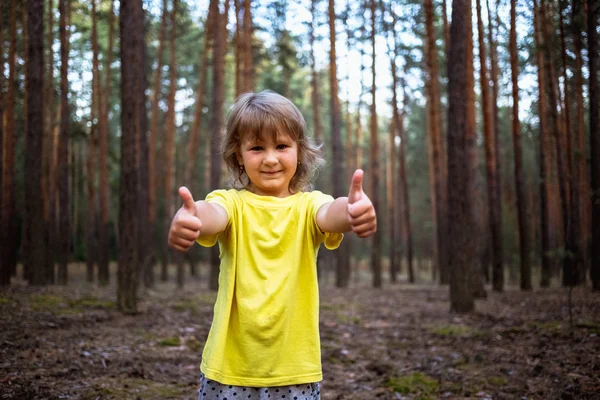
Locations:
188 200
356 190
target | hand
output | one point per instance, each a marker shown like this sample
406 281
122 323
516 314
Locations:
361 212
186 225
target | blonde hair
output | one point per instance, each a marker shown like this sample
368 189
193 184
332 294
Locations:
267 114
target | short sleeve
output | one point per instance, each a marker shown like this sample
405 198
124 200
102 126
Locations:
224 198
331 240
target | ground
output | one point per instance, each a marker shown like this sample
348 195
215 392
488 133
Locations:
399 342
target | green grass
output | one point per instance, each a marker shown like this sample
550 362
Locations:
497 380
5 300
47 302
457 331
170 342
417 383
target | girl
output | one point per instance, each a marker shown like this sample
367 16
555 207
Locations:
264 339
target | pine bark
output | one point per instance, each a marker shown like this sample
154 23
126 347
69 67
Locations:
103 166
49 151
438 200
64 200
153 168
521 199
543 162
248 56
34 250
593 49
316 100
462 255
374 160
576 167
497 276
342 266
216 121
132 70
8 244
569 275
494 209
91 160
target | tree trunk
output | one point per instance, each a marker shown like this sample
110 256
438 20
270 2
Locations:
216 121
156 228
2 50
34 251
248 65
64 231
132 70
91 161
544 145
169 147
374 162
48 151
342 266
8 244
462 255
494 208
499 276
195 133
103 245
435 144
575 155
239 47
518 154
569 275
593 14
316 101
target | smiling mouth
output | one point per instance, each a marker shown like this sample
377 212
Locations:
271 172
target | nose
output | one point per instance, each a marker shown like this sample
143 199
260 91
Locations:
270 158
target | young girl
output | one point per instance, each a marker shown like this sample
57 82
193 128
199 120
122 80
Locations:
264 339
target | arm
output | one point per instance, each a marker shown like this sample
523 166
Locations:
195 219
333 217
355 212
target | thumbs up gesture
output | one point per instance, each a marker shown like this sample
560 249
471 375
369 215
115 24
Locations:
186 225
361 212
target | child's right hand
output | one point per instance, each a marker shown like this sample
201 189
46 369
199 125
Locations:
186 225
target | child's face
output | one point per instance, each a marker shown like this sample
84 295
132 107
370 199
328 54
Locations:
270 163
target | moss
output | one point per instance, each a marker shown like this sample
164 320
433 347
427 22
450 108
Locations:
206 298
552 326
349 319
515 330
497 380
186 305
457 331
47 302
417 383
92 302
4 300
194 344
172 342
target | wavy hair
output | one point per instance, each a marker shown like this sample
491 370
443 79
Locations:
265 115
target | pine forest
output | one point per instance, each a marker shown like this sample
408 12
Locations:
476 123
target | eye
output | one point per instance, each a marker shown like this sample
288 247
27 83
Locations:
256 148
282 146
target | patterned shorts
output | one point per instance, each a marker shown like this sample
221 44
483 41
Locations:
211 390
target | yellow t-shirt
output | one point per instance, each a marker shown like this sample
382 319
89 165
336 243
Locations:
265 330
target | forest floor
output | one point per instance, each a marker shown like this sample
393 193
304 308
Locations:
399 342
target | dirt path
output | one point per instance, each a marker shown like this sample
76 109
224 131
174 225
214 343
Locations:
397 343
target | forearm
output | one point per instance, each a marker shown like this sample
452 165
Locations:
335 217
213 217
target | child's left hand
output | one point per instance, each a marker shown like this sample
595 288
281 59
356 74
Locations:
361 212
